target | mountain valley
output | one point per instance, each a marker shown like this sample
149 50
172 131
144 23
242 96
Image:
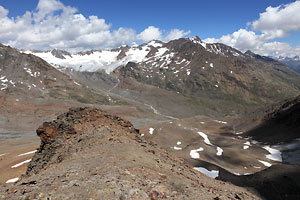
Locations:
157 115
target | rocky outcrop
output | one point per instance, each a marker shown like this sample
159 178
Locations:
88 154
60 53
56 136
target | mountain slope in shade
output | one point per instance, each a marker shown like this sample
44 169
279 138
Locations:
278 123
86 153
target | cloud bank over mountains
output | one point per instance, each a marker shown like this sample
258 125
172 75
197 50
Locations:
55 25
274 23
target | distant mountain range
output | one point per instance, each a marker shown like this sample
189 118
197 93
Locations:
293 63
215 77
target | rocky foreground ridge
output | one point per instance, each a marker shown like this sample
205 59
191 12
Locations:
88 154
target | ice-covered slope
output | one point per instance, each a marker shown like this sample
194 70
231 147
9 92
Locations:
96 60
109 60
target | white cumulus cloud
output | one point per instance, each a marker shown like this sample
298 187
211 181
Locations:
150 33
175 34
154 33
275 22
55 25
279 21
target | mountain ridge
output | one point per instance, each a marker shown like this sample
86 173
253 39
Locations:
86 153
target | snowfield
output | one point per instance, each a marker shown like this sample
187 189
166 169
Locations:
274 154
212 173
101 59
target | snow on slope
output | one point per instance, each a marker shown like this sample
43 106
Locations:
154 52
101 60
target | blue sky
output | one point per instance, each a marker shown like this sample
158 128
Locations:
211 20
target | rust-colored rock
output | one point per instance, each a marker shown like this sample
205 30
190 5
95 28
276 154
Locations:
47 132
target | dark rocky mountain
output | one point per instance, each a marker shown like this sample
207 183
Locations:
256 56
277 123
215 77
88 154
60 53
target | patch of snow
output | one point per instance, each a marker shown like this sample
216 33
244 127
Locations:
256 167
274 154
194 153
187 63
21 163
154 44
13 180
239 133
76 83
235 54
142 134
265 163
197 41
188 73
151 130
204 136
27 153
179 62
230 72
222 122
211 65
247 143
4 80
254 142
245 147
216 86
212 173
178 143
2 154
202 122
177 148
219 151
